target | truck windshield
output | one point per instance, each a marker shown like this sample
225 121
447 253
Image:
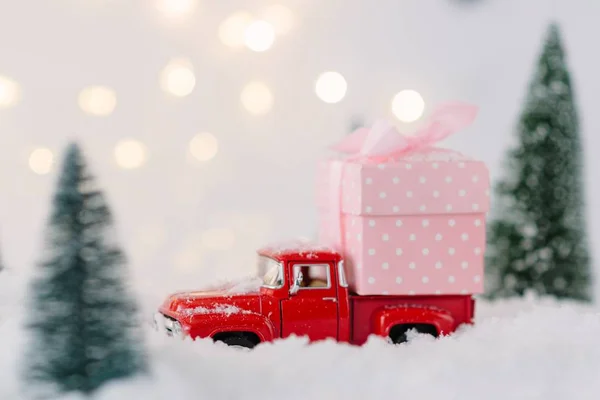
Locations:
271 271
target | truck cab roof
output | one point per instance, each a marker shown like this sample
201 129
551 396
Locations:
299 249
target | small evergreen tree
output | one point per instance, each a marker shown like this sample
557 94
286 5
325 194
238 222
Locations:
537 239
83 325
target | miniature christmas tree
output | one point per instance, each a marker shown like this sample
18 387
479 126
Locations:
537 239
83 324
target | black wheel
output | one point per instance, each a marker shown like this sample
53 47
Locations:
398 334
400 338
240 342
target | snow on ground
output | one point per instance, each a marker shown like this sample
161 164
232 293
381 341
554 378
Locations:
519 349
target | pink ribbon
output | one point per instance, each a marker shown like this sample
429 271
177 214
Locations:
382 141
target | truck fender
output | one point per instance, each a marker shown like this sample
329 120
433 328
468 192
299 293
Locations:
385 318
241 322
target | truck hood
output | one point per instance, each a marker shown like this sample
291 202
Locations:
220 300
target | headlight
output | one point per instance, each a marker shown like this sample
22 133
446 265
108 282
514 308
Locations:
172 327
176 328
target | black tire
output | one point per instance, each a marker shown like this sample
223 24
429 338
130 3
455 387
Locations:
238 341
398 334
400 338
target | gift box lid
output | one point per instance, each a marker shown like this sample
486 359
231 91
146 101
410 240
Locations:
429 181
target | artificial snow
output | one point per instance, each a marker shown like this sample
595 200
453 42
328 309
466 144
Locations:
245 286
302 246
225 309
518 349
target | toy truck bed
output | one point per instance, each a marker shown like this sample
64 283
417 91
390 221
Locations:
365 321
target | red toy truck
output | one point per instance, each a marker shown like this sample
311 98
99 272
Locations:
303 291
408 217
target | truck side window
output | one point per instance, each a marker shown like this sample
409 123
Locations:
316 276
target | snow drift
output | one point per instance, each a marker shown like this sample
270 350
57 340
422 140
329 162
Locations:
519 349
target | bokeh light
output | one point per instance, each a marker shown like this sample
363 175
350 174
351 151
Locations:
257 98
280 17
408 105
97 100
331 87
259 36
218 239
232 29
9 92
176 9
130 154
177 78
41 160
191 255
204 146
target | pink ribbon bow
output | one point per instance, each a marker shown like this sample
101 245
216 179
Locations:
382 140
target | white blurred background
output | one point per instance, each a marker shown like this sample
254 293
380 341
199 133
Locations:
203 120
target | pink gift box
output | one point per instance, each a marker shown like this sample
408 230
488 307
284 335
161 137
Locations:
413 224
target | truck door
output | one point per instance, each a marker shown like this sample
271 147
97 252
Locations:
313 309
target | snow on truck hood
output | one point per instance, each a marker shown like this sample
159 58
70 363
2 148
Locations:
229 298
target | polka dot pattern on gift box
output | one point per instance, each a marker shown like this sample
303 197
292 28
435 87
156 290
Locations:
460 187
427 254
414 227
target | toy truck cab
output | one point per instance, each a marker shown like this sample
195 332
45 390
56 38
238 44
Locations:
303 291
310 291
285 299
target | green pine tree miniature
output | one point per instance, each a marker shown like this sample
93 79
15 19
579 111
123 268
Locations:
83 324
537 239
